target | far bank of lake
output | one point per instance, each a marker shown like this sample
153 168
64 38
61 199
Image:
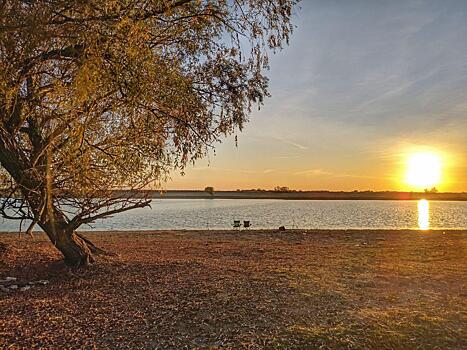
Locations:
302 195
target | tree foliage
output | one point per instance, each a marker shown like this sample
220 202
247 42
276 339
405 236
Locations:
102 95
209 189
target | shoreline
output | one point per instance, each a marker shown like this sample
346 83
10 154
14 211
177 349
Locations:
255 231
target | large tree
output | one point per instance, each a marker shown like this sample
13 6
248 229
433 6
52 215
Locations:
104 95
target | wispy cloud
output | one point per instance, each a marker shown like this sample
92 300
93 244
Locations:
396 91
292 143
234 170
321 172
287 156
313 172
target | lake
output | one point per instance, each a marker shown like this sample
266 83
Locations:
271 213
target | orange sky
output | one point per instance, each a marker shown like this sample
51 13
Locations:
265 164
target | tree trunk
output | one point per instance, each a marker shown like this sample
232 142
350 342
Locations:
76 251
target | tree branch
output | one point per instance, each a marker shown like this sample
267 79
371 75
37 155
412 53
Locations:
111 17
77 221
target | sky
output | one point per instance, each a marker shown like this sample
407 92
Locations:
363 85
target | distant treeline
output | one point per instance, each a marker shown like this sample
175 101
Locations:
292 194
329 195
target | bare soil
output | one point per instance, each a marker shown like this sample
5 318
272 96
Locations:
316 289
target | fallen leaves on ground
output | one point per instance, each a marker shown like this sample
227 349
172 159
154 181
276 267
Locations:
241 290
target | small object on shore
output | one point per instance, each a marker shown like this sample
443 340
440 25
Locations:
9 284
281 228
42 282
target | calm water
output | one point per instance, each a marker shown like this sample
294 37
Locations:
264 213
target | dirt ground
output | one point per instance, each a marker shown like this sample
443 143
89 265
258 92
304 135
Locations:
241 290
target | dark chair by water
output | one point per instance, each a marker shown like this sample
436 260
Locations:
246 224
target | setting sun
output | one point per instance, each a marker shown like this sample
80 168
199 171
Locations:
423 169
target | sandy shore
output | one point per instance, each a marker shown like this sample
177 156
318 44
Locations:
242 290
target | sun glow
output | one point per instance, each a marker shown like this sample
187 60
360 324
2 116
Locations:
423 170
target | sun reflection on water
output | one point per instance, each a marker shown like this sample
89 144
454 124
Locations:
423 214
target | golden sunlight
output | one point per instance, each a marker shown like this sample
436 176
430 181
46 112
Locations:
423 214
423 169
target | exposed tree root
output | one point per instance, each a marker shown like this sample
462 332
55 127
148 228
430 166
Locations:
93 248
